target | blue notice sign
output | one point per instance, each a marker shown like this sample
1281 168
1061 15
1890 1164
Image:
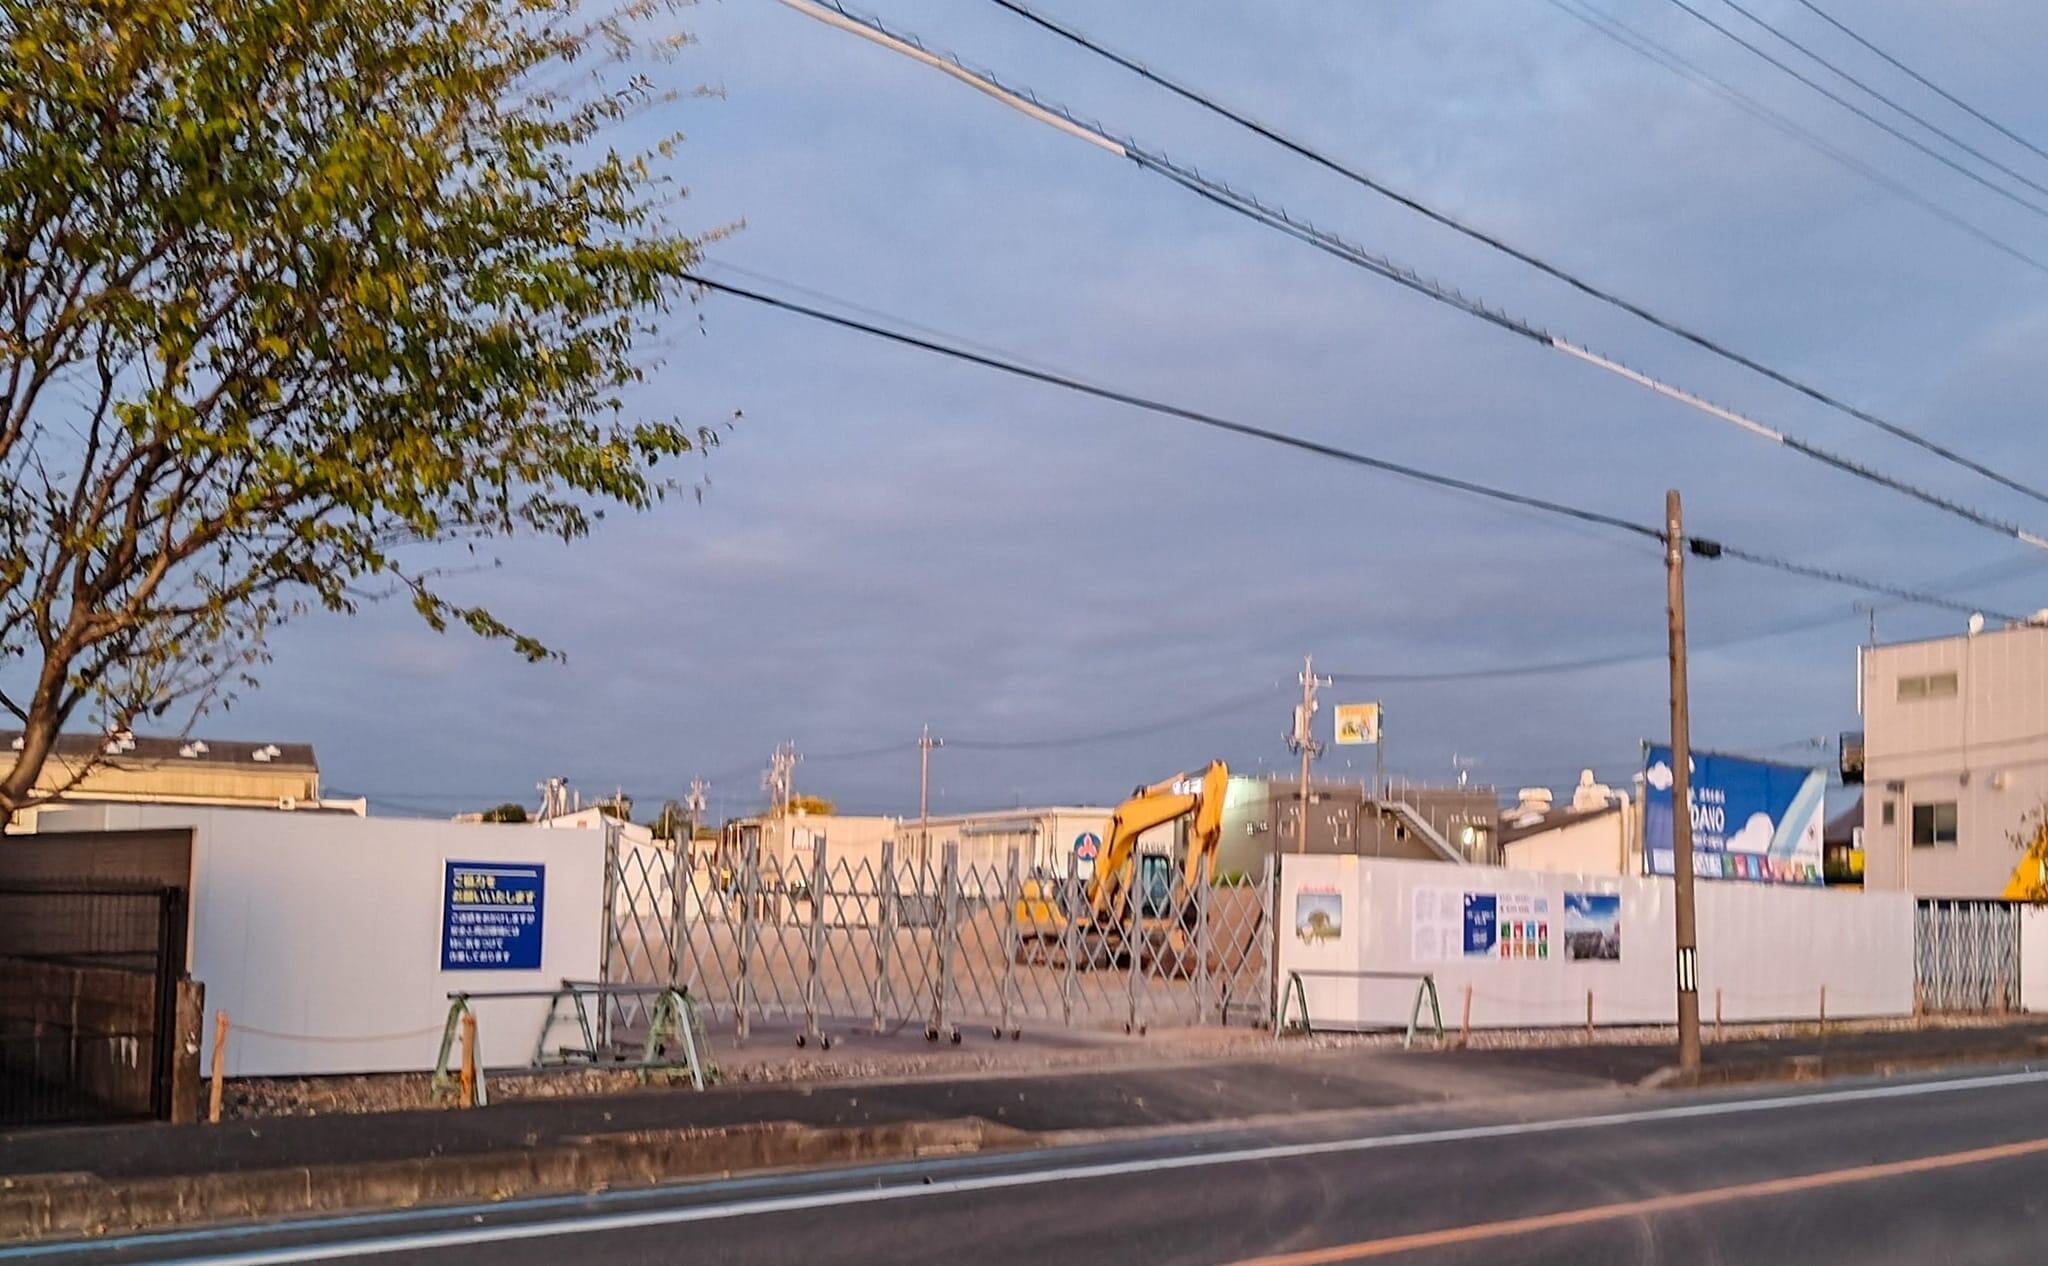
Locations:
491 916
1482 924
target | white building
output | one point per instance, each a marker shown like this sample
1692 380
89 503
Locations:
594 818
1598 833
1044 838
1955 758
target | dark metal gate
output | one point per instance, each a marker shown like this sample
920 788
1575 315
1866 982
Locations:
89 978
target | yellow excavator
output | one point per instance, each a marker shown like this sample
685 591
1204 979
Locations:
1128 893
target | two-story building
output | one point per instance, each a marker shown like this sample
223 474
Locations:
1954 757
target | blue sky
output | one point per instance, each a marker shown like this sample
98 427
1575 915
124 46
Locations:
887 540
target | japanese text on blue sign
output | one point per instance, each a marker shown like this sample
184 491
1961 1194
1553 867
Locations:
1751 819
491 916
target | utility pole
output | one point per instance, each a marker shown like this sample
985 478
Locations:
780 777
1303 740
1681 794
695 804
1379 754
554 798
925 744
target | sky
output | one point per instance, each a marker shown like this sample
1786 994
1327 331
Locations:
886 540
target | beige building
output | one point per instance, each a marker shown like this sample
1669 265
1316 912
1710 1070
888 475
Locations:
1955 758
1598 833
138 769
794 837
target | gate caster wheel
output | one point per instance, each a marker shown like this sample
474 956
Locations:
996 1032
824 1043
1016 1034
956 1037
931 1034
802 1039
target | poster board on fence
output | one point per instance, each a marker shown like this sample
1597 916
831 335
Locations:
1531 945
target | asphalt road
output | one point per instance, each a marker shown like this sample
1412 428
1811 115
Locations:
1933 1170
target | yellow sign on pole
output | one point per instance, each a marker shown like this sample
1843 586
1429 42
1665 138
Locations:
1358 723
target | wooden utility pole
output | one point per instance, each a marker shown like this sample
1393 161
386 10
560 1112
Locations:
1681 794
925 744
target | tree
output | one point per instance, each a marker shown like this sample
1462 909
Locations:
619 807
288 288
816 806
671 822
507 812
2030 878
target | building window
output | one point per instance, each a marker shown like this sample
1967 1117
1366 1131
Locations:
1927 686
1934 824
1890 813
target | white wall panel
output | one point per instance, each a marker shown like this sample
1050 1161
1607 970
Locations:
1768 950
320 934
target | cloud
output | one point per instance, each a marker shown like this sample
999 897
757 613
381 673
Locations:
1755 835
890 540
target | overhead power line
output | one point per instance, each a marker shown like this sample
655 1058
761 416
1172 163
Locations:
1924 81
1249 206
1922 120
1702 546
1304 150
1861 113
1553 668
1646 47
1012 366
866 753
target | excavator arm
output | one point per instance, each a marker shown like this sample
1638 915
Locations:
1153 806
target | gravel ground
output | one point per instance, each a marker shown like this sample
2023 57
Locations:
768 1062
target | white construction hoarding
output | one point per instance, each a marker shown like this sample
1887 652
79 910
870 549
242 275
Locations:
333 941
1532 946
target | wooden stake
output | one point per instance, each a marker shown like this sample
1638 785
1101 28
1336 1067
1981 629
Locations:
1717 1013
1589 1017
1823 1008
1465 1021
468 1099
2001 993
220 1059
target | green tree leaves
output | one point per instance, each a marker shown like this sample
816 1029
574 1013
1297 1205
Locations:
287 286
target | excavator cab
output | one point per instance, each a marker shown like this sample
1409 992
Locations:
1155 886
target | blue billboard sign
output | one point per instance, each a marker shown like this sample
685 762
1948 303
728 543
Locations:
491 916
1751 820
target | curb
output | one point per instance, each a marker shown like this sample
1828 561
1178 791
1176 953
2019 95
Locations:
85 1205
1850 1064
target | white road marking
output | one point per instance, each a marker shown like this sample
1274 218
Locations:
430 1240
